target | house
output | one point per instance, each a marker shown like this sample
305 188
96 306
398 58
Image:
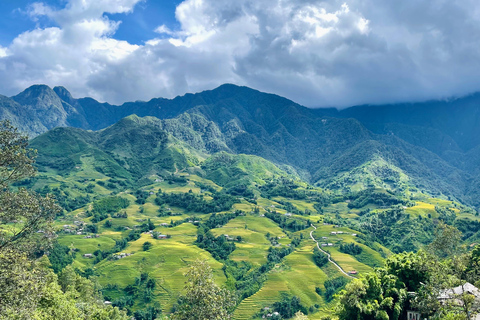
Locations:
324 238
324 244
107 303
87 237
413 315
354 234
453 293
162 236
121 255
88 255
450 296
352 272
164 224
339 232
333 233
330 244
288 214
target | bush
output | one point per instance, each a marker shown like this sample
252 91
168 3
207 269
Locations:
146 246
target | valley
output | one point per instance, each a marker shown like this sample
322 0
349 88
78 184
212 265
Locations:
286 204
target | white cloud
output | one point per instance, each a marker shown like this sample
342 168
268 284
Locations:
319 53
3 52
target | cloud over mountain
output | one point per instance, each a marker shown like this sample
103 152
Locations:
319 53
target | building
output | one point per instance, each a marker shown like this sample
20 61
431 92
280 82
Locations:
413 315
162 236
88 255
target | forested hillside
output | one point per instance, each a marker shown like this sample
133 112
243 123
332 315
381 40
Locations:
277 207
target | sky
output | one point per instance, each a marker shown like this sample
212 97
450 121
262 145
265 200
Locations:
319 53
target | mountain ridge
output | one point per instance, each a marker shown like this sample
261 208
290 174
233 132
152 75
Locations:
424 143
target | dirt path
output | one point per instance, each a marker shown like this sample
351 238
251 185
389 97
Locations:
328 254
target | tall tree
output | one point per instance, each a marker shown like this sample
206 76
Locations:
25 217
28 288
204 299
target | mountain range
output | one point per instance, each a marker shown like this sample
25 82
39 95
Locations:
433 146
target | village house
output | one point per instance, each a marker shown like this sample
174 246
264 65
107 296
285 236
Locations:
88 255
162 236
450 296
121 255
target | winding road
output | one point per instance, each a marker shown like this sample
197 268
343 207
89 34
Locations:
328 254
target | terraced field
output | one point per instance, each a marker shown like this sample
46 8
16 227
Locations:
168 259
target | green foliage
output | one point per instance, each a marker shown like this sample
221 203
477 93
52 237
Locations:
350 248
110 205
319 257
146 246
288 306
33 291
203 298
196 203
373 196
290 224
333 285
219 246
60 256
397 230
141 196
377 296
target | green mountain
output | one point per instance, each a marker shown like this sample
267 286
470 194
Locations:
251 182
433 146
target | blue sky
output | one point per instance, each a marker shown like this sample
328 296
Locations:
320 53
136 27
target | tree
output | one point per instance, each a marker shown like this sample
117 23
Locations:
376 296
28 288
146 246
204 299
447 241
25 217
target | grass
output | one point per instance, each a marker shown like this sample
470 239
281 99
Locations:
297 275
423 209
167 261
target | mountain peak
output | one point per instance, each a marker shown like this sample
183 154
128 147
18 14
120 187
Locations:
35 91
64 94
